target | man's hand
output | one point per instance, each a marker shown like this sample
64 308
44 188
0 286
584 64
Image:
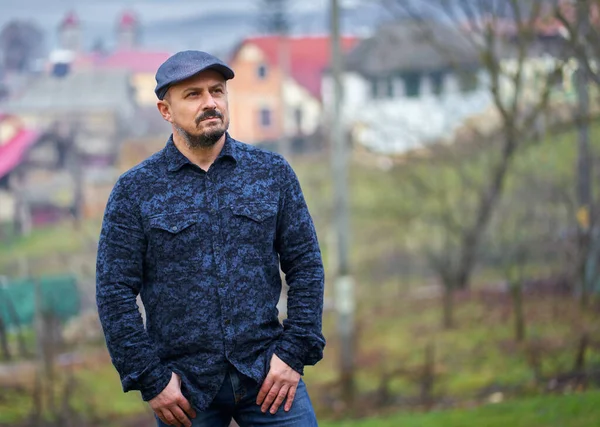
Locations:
281 382
170 405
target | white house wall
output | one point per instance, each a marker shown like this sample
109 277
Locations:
297 97
399 124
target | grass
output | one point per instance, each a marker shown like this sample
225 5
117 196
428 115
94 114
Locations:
393 333
479 353
576 410
95 393
44 247
105 395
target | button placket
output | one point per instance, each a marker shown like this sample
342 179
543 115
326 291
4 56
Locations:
212 204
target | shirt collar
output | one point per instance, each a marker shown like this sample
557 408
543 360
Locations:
176 160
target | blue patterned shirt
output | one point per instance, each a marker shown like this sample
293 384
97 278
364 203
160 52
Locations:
204 250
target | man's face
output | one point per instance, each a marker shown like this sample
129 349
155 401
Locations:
198 109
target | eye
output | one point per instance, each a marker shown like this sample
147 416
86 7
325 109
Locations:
193 93
218 90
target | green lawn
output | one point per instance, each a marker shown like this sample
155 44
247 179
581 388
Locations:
576 410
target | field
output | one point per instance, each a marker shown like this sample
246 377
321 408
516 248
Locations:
576 410
405 360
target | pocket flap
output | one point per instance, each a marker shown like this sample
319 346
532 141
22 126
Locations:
172 223
256 211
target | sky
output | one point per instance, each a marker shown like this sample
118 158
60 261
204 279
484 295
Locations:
170 25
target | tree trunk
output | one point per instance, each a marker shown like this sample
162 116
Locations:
516 293
448 321
4 340
579 365
487 203
12 313
583 166
428 379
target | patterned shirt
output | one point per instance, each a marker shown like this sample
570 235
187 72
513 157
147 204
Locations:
204 251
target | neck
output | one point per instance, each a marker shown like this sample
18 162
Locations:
203 157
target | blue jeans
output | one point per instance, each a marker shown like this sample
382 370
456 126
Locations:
237 399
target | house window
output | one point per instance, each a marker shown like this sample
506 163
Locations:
468 81
261 71
412 85
437 82
265 117
382 88
398 87
389 85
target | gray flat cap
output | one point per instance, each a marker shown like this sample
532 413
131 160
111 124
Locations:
184 65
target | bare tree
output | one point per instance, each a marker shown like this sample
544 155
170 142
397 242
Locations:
579 21
583 39
4 340
503 33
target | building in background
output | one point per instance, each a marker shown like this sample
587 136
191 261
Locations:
91 113
82 107
15 141
69 33
267 102
405 87
127 56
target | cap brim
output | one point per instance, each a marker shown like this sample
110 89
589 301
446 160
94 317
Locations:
227 73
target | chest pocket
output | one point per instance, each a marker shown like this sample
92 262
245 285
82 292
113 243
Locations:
254 223
175 240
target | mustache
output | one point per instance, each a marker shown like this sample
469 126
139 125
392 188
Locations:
210 114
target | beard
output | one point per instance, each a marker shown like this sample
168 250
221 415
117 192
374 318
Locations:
205 139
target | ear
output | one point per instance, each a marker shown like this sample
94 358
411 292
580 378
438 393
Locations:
164 109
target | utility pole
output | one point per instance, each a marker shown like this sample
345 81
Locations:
344 285
584 167
276 22
285 143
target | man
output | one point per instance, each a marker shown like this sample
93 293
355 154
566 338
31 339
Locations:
200 230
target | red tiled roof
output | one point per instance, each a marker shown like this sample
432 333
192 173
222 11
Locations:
135 61
309 56
12 152
128 19
70 20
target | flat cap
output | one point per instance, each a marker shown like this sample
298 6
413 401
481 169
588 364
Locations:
184 65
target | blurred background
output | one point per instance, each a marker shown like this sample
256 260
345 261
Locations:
446 149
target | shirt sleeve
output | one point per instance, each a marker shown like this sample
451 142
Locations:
302 342
119 278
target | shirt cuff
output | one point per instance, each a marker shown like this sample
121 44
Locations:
291 355
154 382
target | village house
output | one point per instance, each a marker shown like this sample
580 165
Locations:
87 103
15 140
277 96
405 87
92 127
128 55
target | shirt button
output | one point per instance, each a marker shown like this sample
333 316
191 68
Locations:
174 228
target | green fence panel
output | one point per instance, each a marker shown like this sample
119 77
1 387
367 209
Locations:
59 295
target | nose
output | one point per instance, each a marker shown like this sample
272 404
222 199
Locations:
209 103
